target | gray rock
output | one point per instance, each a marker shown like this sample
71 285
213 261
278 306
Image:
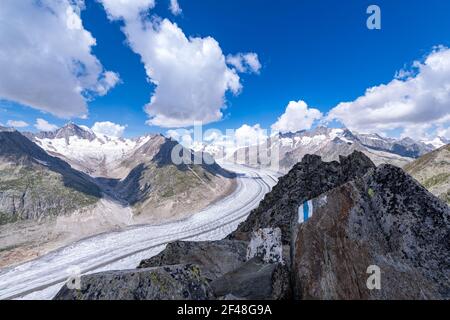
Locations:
254 280
215 258
266 244
307 179
181 282
384 219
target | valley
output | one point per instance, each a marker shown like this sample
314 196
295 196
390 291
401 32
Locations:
43 277
224 151
81 184
120 202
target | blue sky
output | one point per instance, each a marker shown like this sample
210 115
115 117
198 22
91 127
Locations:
320 52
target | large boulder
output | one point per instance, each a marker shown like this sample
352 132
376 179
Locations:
180 282
254 280
266 244
308 179
215 257
383 221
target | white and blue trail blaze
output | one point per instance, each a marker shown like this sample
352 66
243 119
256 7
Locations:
305 211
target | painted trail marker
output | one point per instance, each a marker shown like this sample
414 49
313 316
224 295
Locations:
305 211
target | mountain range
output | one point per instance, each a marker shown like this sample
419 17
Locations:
61 186
139 171
76 182
330 143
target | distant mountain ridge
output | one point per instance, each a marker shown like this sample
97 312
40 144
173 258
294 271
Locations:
86 150
330 143
69 130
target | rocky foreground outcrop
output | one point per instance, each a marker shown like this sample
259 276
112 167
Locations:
308 179
343 230
216 257
385 220
179 282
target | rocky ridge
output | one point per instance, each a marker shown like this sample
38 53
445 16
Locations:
306 180
383 219
363 218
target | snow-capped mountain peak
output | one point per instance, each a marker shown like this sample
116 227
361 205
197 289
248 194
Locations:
68 131
437 142
84 148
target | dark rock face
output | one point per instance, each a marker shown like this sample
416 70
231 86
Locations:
254 280
216 258
181 282
307 179
384 219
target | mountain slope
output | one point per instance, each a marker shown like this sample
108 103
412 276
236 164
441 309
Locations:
140 185
34 185
156 187
433 171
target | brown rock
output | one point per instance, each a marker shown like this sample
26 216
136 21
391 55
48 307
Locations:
385 219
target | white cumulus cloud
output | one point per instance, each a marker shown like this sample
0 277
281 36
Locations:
248 135
416 102
108 81
126 9
245 62
46 60
190 74
109 129
298 116
175 7
17 124
183 136
44 125
444 132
